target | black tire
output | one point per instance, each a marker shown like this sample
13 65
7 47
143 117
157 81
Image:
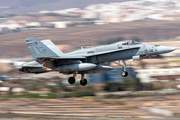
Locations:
83 82
124 73
71 80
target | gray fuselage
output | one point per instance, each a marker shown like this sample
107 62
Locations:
108 53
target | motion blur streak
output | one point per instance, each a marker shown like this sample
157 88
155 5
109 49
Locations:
151 91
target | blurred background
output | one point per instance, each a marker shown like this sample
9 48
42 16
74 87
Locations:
152 89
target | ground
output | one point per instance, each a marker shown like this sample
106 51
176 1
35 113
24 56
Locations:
67 108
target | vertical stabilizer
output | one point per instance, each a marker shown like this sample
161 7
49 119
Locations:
38 49
52 46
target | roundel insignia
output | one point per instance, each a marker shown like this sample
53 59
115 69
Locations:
44 67
44 51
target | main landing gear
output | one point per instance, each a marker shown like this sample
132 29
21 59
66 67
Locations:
83 81
124 72
72 80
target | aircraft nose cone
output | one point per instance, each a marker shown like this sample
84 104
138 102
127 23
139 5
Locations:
164 49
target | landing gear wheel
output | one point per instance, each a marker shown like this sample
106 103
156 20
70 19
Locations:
83 82
124 73
71 80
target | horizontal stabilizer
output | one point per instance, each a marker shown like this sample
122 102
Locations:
64 58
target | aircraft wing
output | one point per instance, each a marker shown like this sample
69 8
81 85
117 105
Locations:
51 62
64 58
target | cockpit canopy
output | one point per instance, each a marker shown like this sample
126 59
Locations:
127 42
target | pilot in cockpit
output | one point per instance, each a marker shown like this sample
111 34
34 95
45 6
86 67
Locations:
127 42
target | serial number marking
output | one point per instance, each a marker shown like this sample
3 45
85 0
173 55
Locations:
149 51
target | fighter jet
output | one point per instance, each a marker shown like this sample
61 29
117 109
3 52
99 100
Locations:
47 57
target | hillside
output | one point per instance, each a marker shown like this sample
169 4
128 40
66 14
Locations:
13 45
24 6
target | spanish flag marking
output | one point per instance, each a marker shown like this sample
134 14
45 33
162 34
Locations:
44 67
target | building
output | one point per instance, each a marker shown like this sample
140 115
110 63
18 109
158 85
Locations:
59 24
150 75
113 75
4 90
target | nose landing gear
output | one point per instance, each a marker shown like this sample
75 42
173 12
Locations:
124 72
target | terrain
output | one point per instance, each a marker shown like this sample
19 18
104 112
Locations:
136 107
24 6
13 44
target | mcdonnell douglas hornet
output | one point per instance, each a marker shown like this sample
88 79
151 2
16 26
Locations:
47 57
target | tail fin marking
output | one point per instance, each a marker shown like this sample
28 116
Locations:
38 49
